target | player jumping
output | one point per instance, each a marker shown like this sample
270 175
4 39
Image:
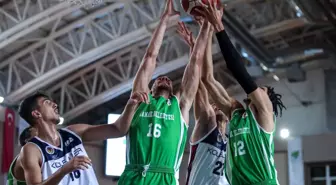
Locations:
208 140
251 148
157 136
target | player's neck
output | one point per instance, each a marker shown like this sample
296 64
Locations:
164 94
49 133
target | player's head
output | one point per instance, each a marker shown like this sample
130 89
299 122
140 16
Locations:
27 134
39 106
221 119
162 84
275 99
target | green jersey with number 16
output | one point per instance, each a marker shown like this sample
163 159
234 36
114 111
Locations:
250 152
157 135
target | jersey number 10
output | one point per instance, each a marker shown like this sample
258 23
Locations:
74 175
157 130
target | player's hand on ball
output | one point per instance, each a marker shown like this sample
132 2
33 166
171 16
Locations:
213 13
139 97
77 163
186 34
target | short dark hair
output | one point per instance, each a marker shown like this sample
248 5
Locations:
26 134
28 105
153 80
276 101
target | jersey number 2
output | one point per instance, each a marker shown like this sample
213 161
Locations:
218 170
74 175
157 130
239 148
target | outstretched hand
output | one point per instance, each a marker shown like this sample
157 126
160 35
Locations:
169 10
138 97
186 34
213 13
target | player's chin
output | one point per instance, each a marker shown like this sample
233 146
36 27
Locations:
57 120
165 88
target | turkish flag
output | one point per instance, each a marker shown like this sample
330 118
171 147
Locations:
8 140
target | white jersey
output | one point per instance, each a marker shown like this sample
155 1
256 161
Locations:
206 161
54 158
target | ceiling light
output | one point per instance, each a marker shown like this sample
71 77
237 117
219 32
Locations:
284 133
276 77
1 99
264 67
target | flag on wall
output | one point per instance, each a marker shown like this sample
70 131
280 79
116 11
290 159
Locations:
8 140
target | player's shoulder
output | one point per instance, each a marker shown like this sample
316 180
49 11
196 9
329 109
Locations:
238 112
30 151
29 148
77 129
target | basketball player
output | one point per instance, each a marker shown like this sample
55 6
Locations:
16 174
208 145
250 155
157 136
208 142
58 156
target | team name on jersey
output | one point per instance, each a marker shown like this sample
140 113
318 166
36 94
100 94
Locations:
239 131
216 153
156 114
59 163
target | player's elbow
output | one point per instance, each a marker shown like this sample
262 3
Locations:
120 129
186 103
197 58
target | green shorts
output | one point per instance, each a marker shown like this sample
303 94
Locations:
267 182
147 175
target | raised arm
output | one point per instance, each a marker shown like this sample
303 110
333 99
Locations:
148 64
202 107
192 72
215 89
235 64
115 130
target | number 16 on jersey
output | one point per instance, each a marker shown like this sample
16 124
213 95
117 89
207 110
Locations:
156 132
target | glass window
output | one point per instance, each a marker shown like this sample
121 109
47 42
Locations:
333 170
318 171
320 182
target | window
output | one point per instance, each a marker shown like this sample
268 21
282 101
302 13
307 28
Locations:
323 174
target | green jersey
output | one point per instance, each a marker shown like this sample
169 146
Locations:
250 151
157 136
11 180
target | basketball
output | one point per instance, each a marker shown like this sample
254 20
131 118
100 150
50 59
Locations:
190 5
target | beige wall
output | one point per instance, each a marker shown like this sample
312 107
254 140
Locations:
320 148
281 162
96 154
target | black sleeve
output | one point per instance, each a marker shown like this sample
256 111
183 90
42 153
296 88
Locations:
234 63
